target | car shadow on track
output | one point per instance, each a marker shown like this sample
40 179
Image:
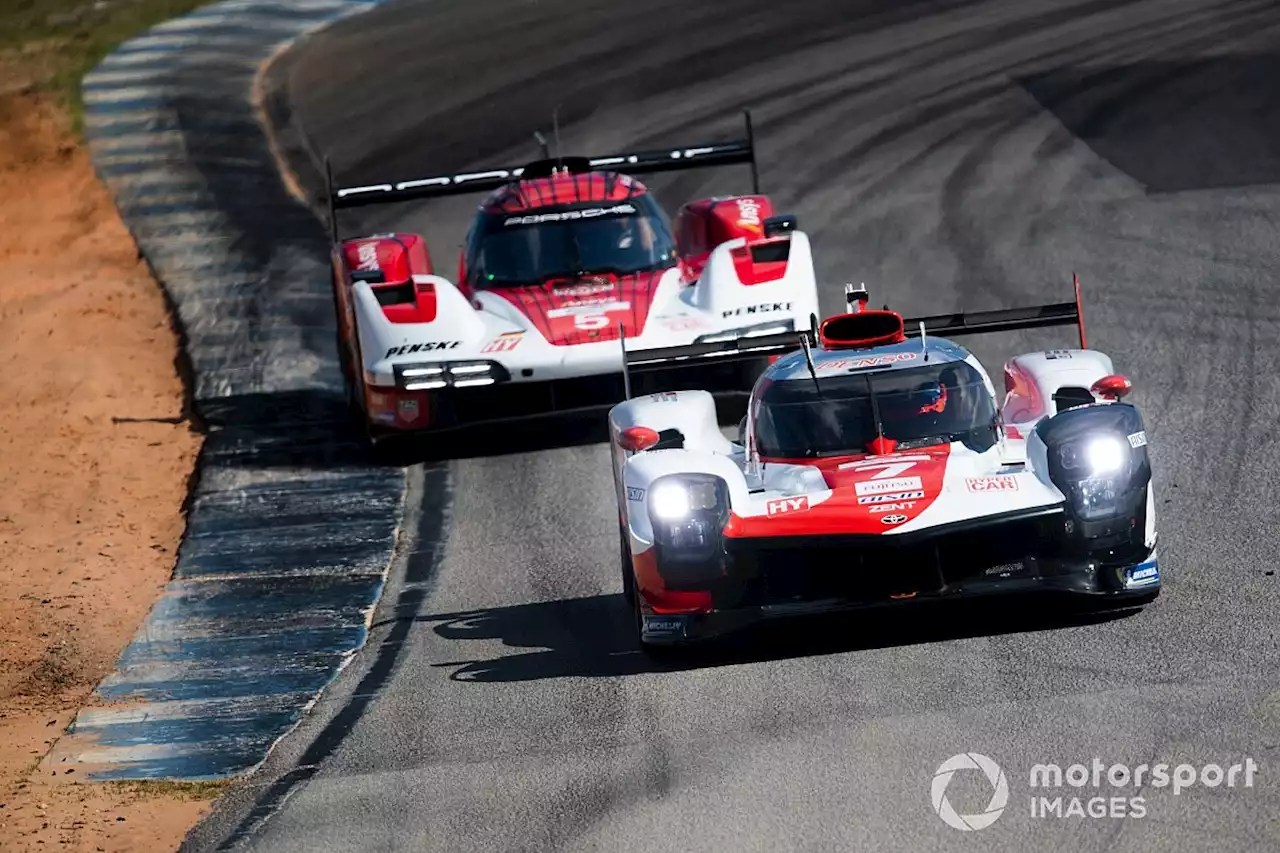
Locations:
592 636
531 435
314 427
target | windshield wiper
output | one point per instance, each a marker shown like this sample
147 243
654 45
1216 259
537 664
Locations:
502 283
603 269
927 441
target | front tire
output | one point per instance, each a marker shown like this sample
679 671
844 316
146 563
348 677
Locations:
351 387
659 653
626 568
388 447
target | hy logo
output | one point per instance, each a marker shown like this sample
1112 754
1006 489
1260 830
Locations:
999 791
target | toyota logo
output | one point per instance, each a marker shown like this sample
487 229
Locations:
893 519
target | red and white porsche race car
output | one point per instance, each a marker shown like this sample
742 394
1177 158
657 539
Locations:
567 262
873 468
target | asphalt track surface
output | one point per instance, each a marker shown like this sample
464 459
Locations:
952 155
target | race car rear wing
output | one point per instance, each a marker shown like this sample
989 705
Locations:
705 354
483 180
942 325
1004 320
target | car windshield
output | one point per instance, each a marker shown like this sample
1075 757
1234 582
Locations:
842 415
569 241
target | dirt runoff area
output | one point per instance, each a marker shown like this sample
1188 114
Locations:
96 460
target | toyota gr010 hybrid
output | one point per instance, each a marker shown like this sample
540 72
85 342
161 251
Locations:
565 259
876 464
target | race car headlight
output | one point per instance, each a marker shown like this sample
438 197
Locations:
759 330
688 512
1097 456
448 374
1106 455
676 500
1095 473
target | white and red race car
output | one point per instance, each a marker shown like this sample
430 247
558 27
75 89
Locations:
567 262
874 467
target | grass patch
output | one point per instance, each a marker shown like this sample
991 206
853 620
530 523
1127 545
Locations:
49 45
176 790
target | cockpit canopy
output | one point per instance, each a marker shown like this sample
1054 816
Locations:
622 237
874 412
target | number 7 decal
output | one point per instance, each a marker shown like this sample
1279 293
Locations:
887 469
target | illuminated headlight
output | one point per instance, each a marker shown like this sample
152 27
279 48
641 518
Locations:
676 501
470 374
1096 456
688 512
1096 469
759 330
456 374
1106 455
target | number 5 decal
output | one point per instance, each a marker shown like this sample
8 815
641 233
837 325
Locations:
590 321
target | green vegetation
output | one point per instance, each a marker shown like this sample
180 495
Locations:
177 790
49 45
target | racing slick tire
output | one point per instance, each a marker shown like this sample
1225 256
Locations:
624 561
385 447
349 387
660 653
389 447
656 652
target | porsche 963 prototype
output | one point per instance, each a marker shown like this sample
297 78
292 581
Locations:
565 259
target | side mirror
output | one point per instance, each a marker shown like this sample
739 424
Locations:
370 276
1112 387
782 224
638 438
